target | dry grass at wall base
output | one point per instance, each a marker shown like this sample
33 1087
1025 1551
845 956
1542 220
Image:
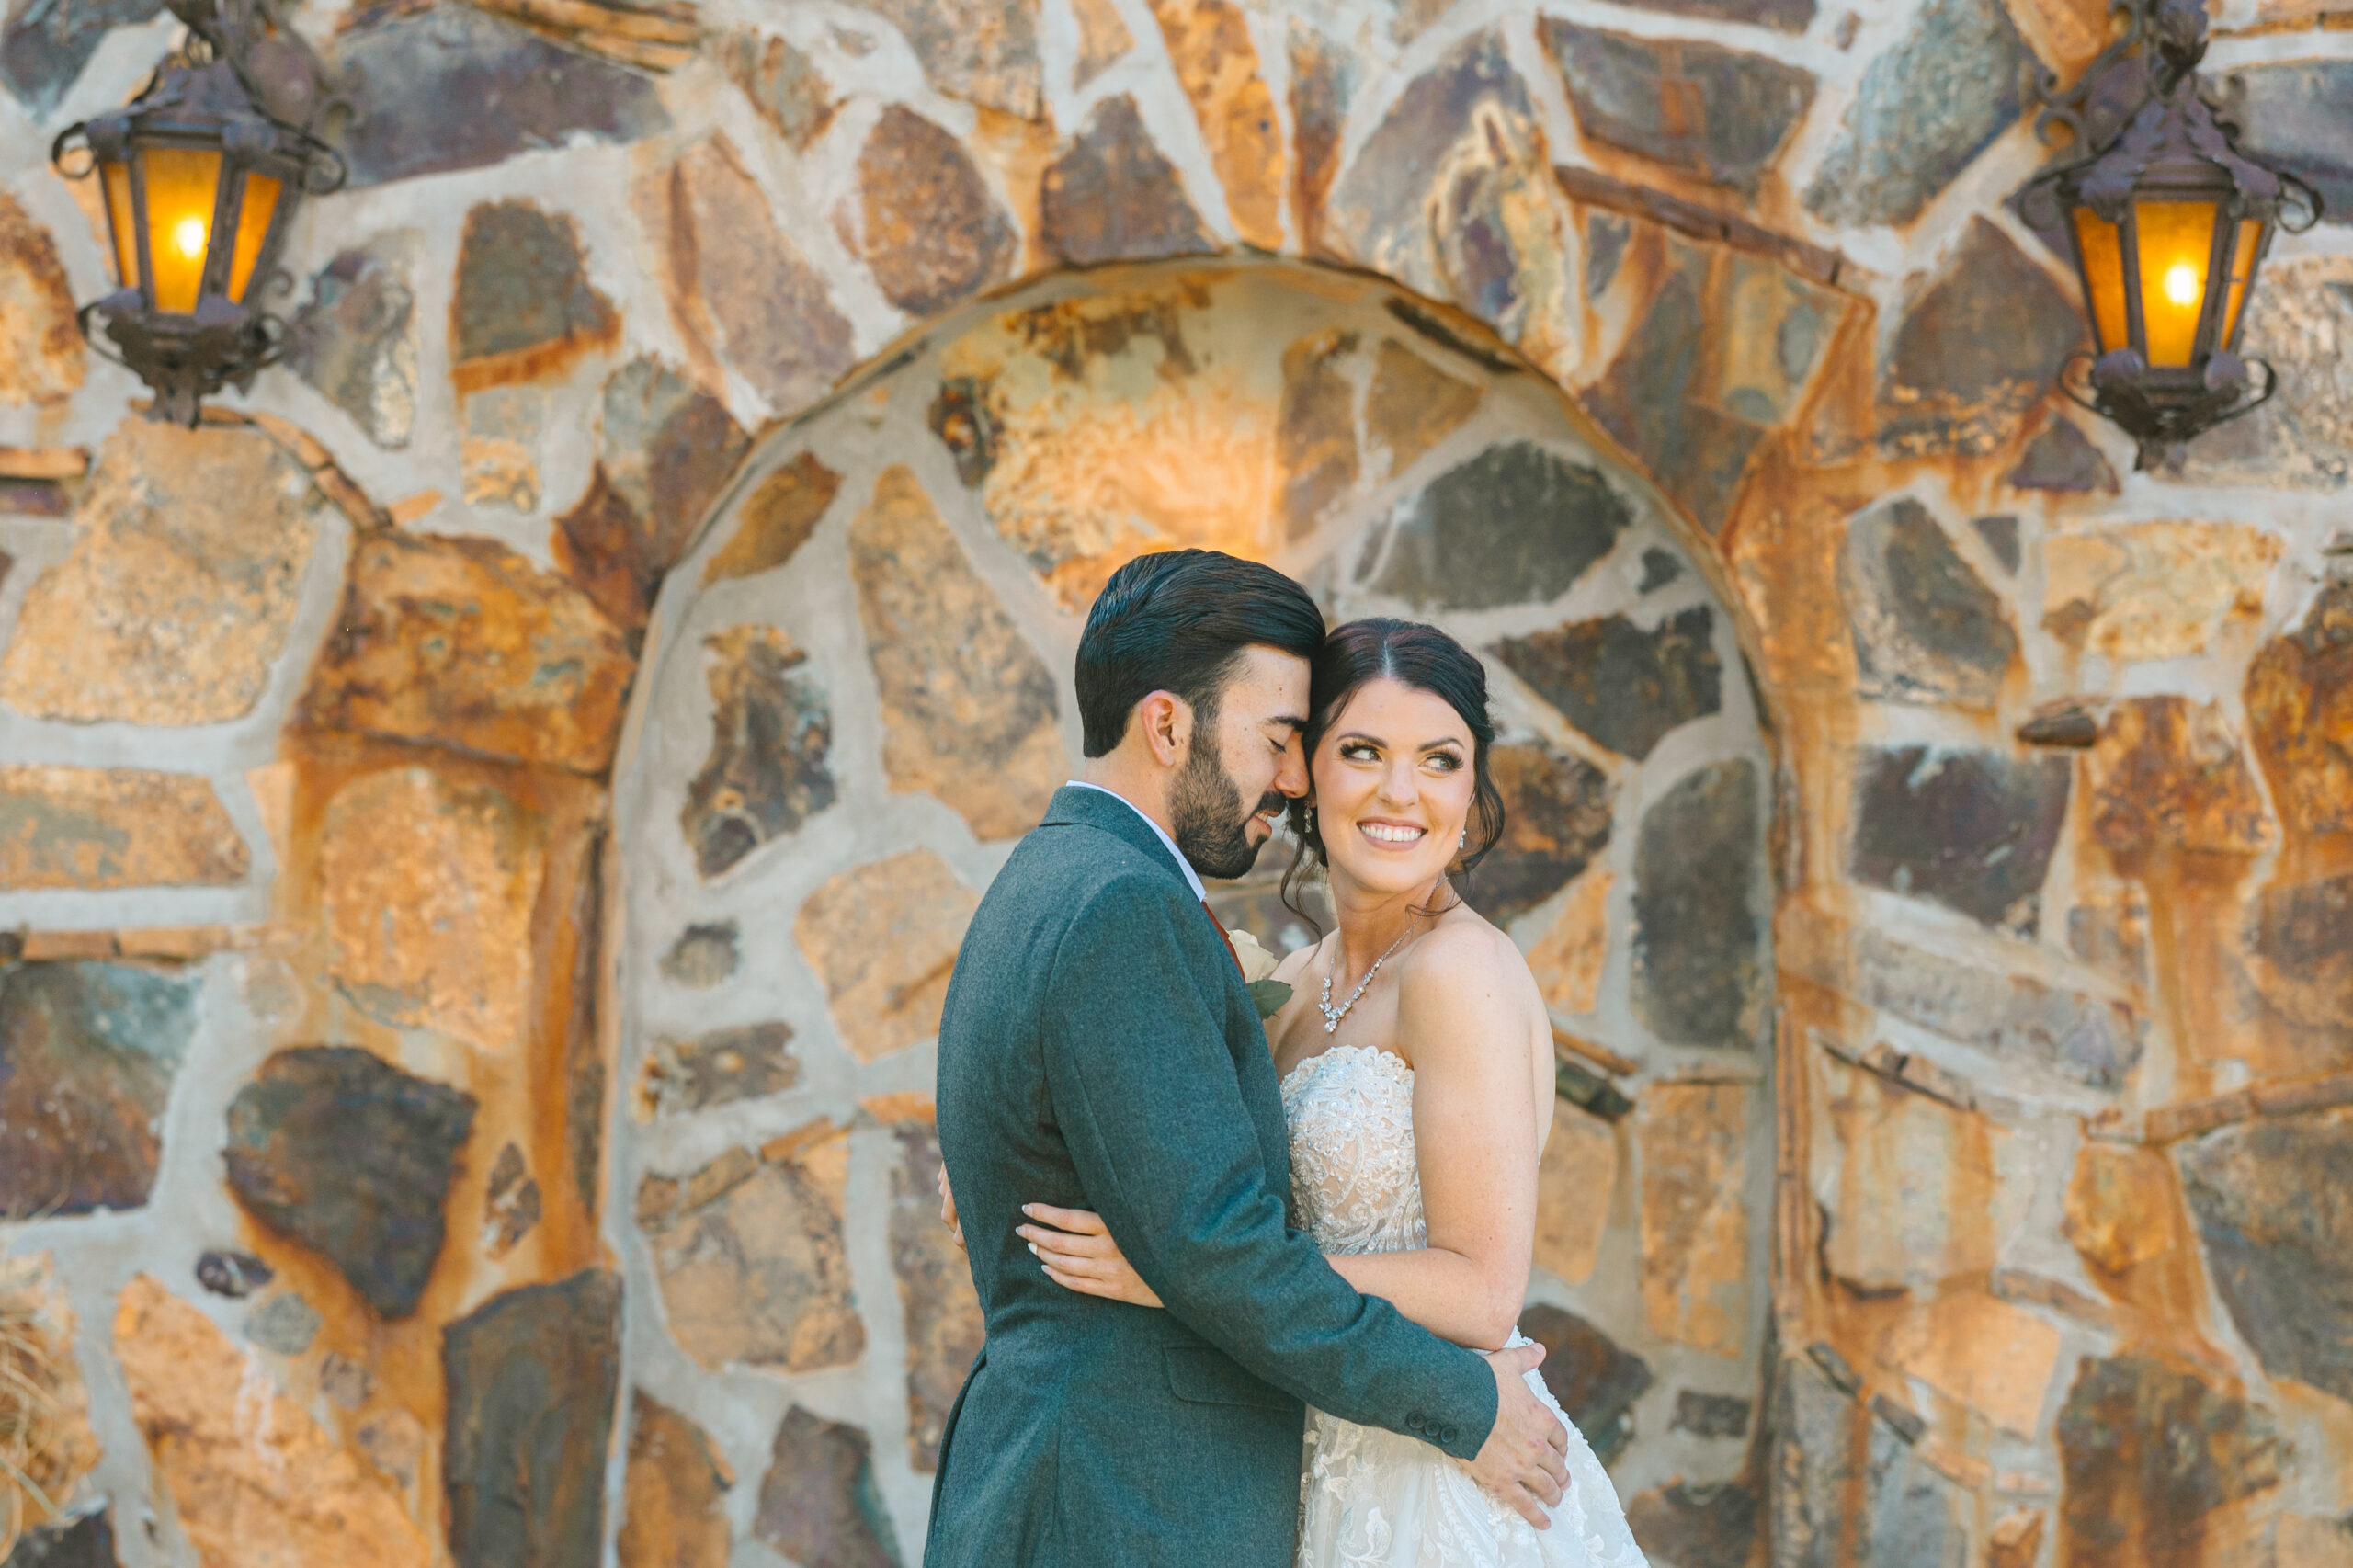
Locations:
37 1429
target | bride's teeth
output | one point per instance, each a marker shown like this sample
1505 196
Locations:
1393 835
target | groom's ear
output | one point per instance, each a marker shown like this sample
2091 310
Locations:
1165 721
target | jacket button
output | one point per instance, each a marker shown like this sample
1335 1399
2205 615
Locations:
1451 1435
1415 1422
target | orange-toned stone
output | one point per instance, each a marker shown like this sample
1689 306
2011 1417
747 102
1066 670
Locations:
1102 38
1316 433
929 230
1692 1139
1924 1191
674 1493
2300 706
429 890
252 1478
2123 1207
2015 1542
1991 1356
2169 775
943 1313
180 589
1413 405
750 1253
1574 1183
776 519
2153 590
463 642
1209 43
884 938
89 827
41 356
1568 958
968 708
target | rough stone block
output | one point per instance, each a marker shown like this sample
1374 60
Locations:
1700 975
87 828
1924 1191
1697 1527
1971 830
464 643
1556 822
1574 1182
770 729
87 1055
180 590
2301 938
1569 958
750 1255
969 711
1698 107
1115 197
1209 43
1991 1356
984 51
927 226
249 1474
884 937
2303 438
784 85
41 356
2147 1452
2168 773
718 1067
2061 460
44 46
2298 115
83 1542
2153 590
348 1155
1620 684
1926 627
1691 1143
533 1377
673 1492
1711 1414
818 1502
357 339
2299 699
1923 111
1517 523
1594 1379
703 956
1315 433
524 308
1413 405
943 1314
776 519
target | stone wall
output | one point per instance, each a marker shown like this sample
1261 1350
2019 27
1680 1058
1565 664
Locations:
411 1011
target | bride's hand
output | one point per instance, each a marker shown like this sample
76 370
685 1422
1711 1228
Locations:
1079 1255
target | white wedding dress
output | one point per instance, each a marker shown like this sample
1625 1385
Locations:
1372 1498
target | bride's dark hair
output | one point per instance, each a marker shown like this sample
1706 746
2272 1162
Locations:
1414 655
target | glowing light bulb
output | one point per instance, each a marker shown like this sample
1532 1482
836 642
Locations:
2181 283
188 238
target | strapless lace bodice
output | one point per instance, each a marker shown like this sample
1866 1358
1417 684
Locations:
1355 1184
1370 1498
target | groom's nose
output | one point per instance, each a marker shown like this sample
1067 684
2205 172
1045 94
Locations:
1290 775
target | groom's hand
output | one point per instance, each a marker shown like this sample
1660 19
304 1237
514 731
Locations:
1524 1461
948 1210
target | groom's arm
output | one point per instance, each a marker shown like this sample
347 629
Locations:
1145 1089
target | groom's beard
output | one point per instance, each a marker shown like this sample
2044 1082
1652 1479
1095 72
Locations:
1211 828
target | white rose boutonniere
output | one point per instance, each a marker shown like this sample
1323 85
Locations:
1258 966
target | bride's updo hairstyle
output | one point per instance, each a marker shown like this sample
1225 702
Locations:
1425 659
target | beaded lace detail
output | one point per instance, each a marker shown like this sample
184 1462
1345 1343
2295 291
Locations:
1372 1498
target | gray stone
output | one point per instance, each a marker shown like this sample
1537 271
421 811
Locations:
1813 1467
1114 196
818 1503
87 1055
1652 399
1512 525
945 1329
1709 111
2274 1204
1784 16
523 287
932 232
356 340
1556 820
285 1325
83 1542
984 51
341 1150
1607 235
2086 1038
2301 936
783 84
235 1275
1912 1516
2063 459
766 772
2147 1451
1687 1525
1927 629
1971 830
703 956
2000 533
1923 110
1595 1381
447 87
1660 567
44 44
720 1067
1626 687
2298 115
2303 438
1709 1414
533 1377
510 1204
1975 350
1699 974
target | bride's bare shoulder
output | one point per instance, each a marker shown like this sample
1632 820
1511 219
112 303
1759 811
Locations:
1464 956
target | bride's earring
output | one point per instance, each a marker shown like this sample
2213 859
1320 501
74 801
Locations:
1463 839
1311 816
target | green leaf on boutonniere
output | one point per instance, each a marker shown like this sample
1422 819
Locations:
1270 995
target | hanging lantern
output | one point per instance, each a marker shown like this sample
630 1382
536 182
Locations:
2168 221
201 176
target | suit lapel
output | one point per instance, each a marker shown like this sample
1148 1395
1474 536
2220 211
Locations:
1097 809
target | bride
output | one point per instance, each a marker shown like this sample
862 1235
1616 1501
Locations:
1417 1062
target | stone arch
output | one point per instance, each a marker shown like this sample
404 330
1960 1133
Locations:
855 698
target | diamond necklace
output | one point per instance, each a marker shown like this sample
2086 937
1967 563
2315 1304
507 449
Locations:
1332 1016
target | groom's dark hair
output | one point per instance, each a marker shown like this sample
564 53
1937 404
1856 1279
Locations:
1179 621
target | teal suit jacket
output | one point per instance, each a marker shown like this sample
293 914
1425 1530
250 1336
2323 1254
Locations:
1099 1050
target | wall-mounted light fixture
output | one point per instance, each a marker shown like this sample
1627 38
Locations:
2169 220
201 176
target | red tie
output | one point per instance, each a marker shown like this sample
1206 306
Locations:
1222 935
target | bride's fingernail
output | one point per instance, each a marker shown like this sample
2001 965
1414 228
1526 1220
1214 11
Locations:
1032 1247
1030 1210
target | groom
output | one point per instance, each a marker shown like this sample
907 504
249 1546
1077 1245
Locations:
1100 1052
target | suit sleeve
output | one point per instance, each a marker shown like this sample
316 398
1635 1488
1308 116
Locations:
1145 1088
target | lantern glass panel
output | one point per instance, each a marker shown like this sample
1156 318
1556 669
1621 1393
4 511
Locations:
2103 255
181 186
2176 240
253 227
2243 255
120 225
